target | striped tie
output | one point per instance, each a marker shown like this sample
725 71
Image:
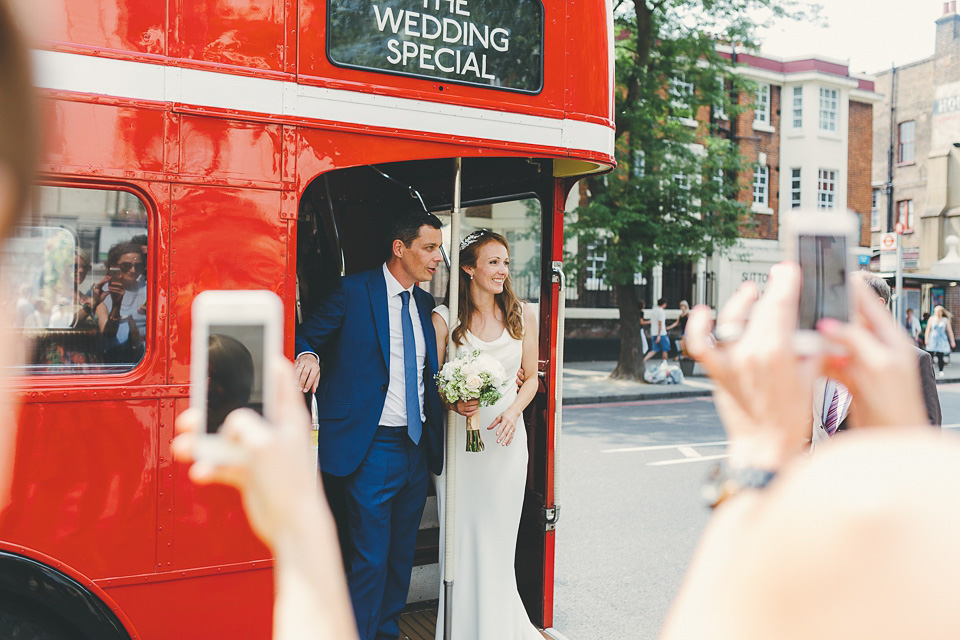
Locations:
833 413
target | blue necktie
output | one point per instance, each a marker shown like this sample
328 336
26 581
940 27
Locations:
414 425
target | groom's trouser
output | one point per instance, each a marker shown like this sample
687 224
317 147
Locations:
385 498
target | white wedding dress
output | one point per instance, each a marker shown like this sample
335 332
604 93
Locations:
490 488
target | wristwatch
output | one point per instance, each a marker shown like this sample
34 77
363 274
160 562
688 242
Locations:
722 482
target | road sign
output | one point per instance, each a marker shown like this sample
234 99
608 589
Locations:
898 228
888 252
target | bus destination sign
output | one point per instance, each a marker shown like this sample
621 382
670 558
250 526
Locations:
492 43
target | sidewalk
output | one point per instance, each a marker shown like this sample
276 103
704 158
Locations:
590 383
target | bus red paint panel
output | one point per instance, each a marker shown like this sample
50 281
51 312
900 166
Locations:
214 606
230 149
85 485
248 34
137 26
246 252
90 136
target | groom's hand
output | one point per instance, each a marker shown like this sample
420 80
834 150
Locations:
308 372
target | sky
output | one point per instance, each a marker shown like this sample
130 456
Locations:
871 34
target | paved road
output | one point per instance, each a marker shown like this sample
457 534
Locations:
631 513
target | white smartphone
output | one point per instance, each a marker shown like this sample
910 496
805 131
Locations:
822 241
236 337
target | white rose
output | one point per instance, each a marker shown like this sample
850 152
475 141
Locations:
474 382
469 369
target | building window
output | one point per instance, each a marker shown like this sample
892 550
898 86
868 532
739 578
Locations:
596 262
828 109
905 214
680 93
906 145
761 109
82 240
875 210
761 184
798 107
826 189
795 188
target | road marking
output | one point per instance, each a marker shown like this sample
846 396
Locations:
689 452
657 417
950 426
662 463
660 447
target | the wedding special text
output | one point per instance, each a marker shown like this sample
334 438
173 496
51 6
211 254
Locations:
454 29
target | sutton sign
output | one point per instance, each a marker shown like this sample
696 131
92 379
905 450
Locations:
492 43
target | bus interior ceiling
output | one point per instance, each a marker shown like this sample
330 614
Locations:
364 199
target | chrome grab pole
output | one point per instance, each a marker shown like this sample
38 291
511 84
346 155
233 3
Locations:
451 440
553 515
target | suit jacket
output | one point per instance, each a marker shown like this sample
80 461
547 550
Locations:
349 330
928 384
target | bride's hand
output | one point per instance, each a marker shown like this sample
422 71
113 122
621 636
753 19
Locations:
507 421
466 408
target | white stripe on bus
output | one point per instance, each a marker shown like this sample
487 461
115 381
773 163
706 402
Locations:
60 71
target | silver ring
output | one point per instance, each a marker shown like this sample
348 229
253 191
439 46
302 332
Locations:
729 332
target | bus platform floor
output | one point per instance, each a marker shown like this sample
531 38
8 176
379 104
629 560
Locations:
421 624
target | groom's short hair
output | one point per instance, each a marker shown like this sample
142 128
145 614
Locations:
406 226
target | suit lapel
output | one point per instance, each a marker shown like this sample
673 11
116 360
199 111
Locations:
377 288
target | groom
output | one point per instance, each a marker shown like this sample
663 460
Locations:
381 419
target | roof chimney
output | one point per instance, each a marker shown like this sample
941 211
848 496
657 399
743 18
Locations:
953 6
946 8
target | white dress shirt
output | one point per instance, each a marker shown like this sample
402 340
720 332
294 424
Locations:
395 406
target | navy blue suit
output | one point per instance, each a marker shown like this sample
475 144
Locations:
385 473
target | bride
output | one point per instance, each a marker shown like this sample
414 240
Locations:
490 484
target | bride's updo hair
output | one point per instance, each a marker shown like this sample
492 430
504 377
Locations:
507 300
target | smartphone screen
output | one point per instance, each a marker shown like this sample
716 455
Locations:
235 363
823 264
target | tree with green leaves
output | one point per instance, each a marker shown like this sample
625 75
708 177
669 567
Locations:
673 197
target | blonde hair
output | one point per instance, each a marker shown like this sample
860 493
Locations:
946 314
507 301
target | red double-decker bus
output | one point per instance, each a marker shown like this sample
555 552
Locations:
259 145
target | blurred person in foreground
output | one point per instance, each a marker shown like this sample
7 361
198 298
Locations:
832 401
277 480
858 541
19 149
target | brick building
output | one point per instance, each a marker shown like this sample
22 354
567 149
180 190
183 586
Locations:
811 135
916 166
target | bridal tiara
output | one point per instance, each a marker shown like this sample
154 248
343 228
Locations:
473 237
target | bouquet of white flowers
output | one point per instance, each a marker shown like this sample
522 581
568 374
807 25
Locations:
472 376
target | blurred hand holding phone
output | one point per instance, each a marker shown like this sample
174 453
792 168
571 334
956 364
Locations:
236 337
821 241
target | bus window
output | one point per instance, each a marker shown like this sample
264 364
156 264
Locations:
79 275
519 222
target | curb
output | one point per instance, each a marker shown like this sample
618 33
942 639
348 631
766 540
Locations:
634 397
667 395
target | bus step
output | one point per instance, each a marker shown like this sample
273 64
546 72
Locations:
419 623
428 547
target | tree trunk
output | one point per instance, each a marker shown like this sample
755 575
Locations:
630 364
